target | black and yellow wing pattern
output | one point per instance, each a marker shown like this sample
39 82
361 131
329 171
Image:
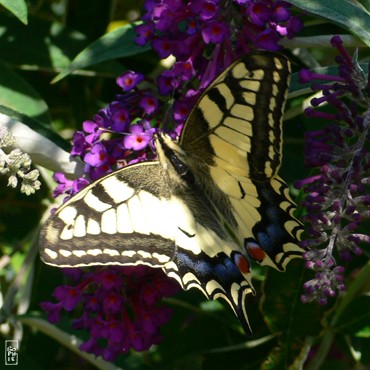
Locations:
211 203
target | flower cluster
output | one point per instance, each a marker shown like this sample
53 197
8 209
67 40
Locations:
186 28
205 36
119 134
336 195
17 165
119 307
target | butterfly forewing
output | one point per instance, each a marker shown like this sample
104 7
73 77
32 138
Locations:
236 128
123 218
237 120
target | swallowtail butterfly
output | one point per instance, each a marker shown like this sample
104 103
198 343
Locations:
211 203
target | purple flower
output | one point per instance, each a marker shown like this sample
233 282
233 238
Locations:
129 80
92 303
79 143
181 111
112 302
120 305
119 116
205 9
184 70
149 104
108 279
97 156
335 199
92 346
215 32
259 14
167 82
66 186
138 138
144 33
280 11
63 183
92 130
114 331
54 311
268 40
164 47
293 25
68 296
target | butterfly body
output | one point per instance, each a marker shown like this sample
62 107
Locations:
209 204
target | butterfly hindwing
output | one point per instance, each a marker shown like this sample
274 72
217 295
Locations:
216 277
276 230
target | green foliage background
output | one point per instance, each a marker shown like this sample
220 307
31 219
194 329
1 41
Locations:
59 61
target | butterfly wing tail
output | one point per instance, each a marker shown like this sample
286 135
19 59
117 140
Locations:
216 277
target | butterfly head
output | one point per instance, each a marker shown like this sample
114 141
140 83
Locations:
172 158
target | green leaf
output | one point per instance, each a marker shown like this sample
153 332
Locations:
40 44
37 126
45 147
364 332
284 313
67 340
18 95
276 357
17 7
352 312
43 45
282 308
355 317
347 13
116 44
365 3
